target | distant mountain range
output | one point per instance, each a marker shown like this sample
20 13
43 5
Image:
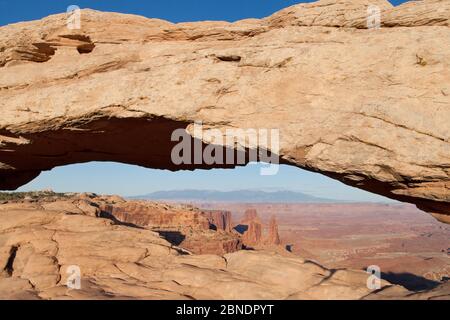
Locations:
254 196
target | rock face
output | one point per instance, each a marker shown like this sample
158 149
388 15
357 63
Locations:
189 228
148 214
41 241
220 219
369 107
211 243
273 237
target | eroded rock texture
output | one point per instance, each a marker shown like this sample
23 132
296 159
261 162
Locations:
41 240
219 219
253 235
252 229
197 231
273 237
369 107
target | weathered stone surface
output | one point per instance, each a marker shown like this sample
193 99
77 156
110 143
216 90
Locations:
211 243
154 215
192 229
256 234
253 235
118 261
367 107
273 237
220 219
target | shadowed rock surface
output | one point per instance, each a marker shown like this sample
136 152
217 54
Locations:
41 239
185 226
252 229
367 107
253 235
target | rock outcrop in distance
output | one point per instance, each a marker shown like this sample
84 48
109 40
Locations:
253 235
253 230
42 240
273 237
368 107
200 232
219 219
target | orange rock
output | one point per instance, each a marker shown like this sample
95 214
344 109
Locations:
258 66
183 226
40 243
146 215
253 234
220 219
273 236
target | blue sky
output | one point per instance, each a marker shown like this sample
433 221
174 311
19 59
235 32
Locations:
173 10
114 178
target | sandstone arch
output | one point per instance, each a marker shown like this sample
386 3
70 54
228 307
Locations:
367 107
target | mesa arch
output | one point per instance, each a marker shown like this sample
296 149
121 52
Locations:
369 107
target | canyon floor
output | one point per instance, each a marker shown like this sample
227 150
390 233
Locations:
410 247
148 250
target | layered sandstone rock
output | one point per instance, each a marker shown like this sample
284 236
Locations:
220 219
154 215
273 237
253 235
211 243
200 232
256 233
368 107
40 245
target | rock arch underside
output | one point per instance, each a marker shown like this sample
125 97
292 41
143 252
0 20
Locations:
368 107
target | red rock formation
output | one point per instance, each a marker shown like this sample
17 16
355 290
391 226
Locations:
389 123
253 234
273 238
205 244
220 219
152 215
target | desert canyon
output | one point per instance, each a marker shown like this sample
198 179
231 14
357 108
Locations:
367 107
138 255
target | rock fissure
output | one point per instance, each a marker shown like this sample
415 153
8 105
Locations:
9 267
401 126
